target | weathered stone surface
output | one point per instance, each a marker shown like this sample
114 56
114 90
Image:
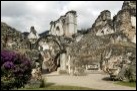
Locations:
131 6
16 41
50 50
103 24
117 58
103 53
122 22
36 74
33 35
65 26
125 20
109 46
11 38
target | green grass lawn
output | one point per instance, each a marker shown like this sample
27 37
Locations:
59 88
130 84
52 86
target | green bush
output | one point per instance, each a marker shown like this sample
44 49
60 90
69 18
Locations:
42 83
130 75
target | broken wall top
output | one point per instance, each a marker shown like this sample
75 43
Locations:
63 17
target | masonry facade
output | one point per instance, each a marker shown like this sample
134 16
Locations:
65 26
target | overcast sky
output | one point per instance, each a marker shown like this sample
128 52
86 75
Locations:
24 14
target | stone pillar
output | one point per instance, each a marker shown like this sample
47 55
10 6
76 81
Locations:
63 61
69 64
99 69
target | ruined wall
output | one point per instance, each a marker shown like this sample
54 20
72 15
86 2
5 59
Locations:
109 44
33 35
12 39
103 24
107 48
65 26
124 21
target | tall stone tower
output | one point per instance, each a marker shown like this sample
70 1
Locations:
65 26
71 23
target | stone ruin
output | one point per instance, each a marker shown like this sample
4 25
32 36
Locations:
33 35
65 26
103 24
124 21
109 46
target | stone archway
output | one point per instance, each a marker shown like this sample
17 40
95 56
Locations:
51 49
59 29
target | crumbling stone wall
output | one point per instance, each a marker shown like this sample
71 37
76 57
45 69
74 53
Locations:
124 21
103 24
65 26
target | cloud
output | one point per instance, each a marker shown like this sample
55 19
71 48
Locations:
24 14
88 11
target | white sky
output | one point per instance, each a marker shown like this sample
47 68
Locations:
24 14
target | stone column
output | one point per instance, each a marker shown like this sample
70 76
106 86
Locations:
63 61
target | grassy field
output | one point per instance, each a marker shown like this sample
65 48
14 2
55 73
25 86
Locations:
51 86
130 84
59 88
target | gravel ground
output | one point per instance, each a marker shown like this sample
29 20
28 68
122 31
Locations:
94 81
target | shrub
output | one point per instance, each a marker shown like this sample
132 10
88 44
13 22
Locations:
15 70
42 83
130 74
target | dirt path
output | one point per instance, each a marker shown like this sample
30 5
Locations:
91 81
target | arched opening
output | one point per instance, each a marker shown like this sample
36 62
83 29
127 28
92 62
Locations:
50 57
58 28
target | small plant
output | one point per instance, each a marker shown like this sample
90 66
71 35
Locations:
42 83
15 70
130 75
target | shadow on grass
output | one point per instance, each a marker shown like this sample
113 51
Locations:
108 79
49 84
